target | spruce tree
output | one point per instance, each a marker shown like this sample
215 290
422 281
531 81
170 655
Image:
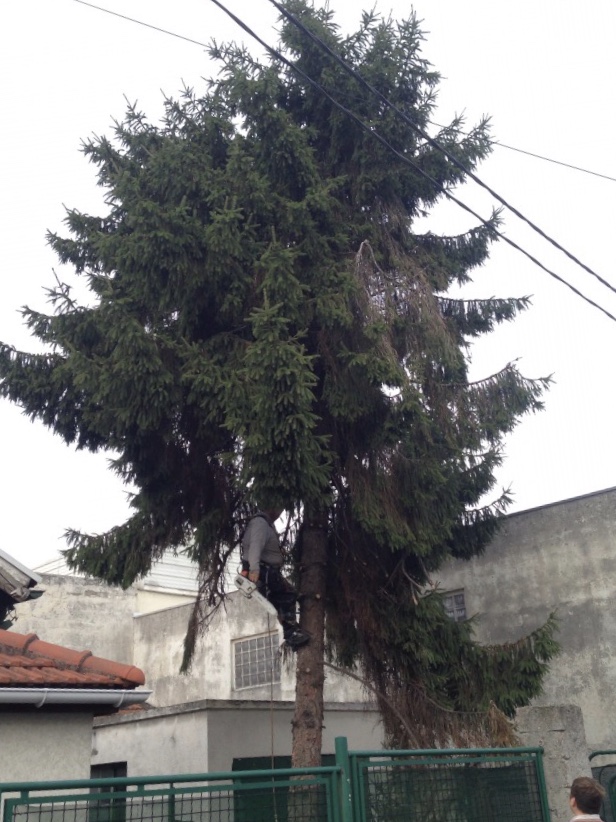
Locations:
266 324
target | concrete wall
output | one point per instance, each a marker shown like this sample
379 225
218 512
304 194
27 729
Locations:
560 732
41 745
562 558
159 639
207 735
81 614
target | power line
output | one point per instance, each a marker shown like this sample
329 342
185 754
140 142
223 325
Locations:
556 162
375 134
536 156
492 142
369 130
431 141
141 23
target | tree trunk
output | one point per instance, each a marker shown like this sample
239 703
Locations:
308 718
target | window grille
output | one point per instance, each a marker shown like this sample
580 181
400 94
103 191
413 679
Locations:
256 661
455 606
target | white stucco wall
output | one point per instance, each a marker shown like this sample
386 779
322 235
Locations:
159 639
42 745
153 742
561 558
207 735
81 614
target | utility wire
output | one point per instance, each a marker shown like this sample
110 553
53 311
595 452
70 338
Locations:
492 142
534 154
430 140
556 162
141 23
375 134
369 130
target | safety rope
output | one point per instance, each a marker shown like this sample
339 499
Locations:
272 754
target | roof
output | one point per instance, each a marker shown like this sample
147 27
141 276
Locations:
27 662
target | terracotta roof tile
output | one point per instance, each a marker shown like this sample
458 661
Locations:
27 662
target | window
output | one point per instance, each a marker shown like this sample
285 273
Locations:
256 661
455 606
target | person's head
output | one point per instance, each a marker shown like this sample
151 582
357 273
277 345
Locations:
586 795
272 508
273 512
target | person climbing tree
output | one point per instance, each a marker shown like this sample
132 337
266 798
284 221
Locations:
262 561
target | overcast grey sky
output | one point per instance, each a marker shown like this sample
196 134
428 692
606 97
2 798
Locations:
543 70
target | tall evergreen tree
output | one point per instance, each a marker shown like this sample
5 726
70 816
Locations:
266 324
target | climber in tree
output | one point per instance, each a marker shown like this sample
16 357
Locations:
262 562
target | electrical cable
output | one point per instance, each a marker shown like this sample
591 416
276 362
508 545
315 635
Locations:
552 160
492 142
141 23
533 154
369 130
430 140
375 134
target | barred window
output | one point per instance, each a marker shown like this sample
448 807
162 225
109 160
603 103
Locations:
256 661
455 606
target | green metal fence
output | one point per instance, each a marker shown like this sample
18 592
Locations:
244 796
479 785
487 785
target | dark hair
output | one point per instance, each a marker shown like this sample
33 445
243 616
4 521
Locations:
588 794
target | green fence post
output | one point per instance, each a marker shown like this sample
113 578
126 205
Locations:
171 803
344 763
543 791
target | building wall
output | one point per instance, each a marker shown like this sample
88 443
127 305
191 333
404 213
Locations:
156 742
207 735
38 745
562 558
83 614
159 642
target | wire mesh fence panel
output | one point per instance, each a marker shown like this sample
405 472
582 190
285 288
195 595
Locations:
283 801
255 797
217 806
193 807
67 811
125 807
455 790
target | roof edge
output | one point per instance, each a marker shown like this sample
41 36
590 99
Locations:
80 661
566 501
200 705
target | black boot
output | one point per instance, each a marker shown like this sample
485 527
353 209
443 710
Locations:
295 637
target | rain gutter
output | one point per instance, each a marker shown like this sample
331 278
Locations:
38 697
